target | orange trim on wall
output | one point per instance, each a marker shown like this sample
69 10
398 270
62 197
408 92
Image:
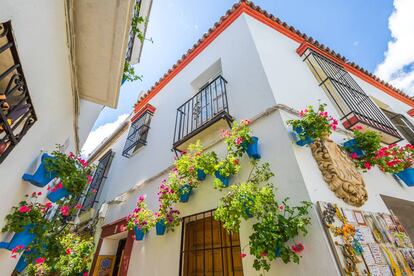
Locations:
147 107
411 112
262 17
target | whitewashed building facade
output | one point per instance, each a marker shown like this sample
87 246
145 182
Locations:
255 65
61 62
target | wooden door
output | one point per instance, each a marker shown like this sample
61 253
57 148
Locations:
210 251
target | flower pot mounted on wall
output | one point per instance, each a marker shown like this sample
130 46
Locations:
407 176
42 176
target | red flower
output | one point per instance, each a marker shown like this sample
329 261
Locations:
78 206
263 254
89 179
239 140
236 161
64 210
242 254
40 260
367 165
85 274
71 155
25 209
354 155
48 205
246 122
68 251
39 193
83 162
297 248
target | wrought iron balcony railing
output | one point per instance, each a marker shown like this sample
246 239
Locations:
132 35
16 109
205 108
355 106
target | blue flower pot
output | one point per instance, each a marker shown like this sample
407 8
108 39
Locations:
160 227
23 238
352 146
201 175
42 176
407 176
185 192
302 142
252 149
22 263
58 194
248 212
224 180
139 234
278 251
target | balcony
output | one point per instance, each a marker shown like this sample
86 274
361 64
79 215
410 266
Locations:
16 110
206 109
355 106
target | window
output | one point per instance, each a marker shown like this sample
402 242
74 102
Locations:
16 109
207 248
403 124
137 136
350 100
99 177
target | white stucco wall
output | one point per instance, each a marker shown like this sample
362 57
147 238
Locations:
40 33
262 70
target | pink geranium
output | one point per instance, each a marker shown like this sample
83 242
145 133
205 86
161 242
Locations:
40 260
65 210
25 209
297 248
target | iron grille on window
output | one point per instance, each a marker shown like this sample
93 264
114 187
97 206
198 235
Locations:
206 107
207 248
352 102
137 136
403 124
16 109
99 177
132 35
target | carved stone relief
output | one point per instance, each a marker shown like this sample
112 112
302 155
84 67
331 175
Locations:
339 172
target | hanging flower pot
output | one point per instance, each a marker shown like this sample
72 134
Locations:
252 148
42 176
304 141
57 194
352 146
23 238
139 234
160 227
201 175
278 251
185 191
224 180
407 176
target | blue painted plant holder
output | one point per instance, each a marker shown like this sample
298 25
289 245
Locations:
407 176
252 149
58 194
23 238
352 146
185 192
302 142
224 180
22 263
201 175
278 251
248 212
139 234
160 227
42 176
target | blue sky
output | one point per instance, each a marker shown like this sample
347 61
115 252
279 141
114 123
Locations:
357 29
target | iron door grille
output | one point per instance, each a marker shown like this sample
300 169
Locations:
207 248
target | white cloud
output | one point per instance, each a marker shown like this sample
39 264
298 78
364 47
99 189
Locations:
99 134
398 64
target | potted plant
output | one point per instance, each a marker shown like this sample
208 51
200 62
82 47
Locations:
275 232
181 186
313 124
26 220
397 160
73 173
186 165
363 147
224 170
239 140
141 220
160 224
205 163
172 218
